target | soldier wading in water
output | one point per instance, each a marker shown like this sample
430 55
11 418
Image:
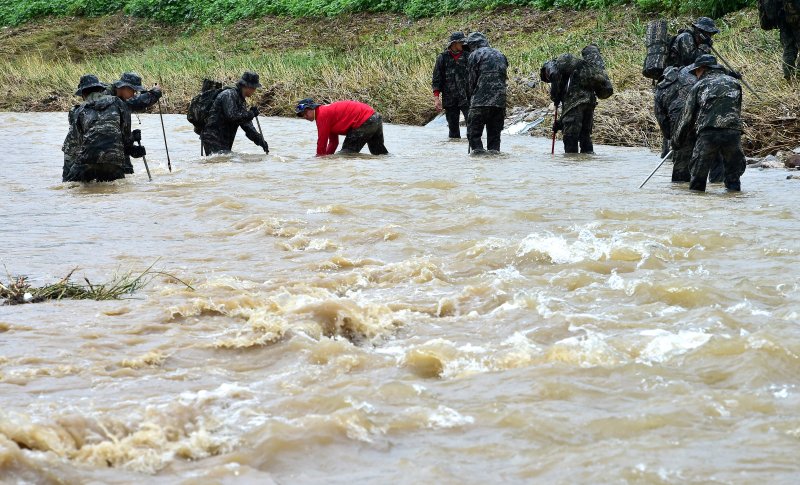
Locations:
487 68
99 138
713 113
450 83
228 113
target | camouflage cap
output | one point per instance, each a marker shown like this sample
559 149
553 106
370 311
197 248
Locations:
457 37
130 80
706 25
706 60
250 80
476 39
88 81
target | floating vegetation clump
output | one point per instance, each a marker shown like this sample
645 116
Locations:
18 290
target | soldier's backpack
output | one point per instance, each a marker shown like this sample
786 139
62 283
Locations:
658 44
594 72
200 106
100 126
769 13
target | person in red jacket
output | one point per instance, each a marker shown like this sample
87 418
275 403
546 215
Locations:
360 124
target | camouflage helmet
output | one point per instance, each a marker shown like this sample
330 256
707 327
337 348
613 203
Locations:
706 25
457 37
88 81
129 80
706 60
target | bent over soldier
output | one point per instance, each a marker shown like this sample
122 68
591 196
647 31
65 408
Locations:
228 113
100 138
713 113
488 75
450 83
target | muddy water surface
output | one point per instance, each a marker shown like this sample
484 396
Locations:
423 317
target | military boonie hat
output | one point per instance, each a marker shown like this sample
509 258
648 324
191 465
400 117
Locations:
88 81
474 37
706 60
304 104
706 25
457 37
250 80
130 80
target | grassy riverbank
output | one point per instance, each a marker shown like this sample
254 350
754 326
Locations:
382 59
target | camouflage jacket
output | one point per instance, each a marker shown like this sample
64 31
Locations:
228 113
572 85
684 50
487 76
665 93
683 86
791 11
100 132
139 102
714 102
450 79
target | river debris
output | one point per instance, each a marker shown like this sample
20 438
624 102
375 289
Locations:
18 290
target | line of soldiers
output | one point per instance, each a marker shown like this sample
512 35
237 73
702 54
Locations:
100 141
698 109
470 77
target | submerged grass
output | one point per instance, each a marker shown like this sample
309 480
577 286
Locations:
18 289
386 60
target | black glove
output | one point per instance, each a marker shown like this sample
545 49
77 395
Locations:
137 151
558 125
735 74
264 145
136 135
254 110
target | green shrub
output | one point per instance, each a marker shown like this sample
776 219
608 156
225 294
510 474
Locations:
13 12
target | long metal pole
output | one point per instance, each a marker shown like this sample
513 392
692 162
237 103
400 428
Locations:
724 61
555 120
164 132
656 169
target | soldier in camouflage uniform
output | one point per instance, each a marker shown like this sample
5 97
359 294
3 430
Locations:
487 69
230 112
450 83
688 46
574 87
665 93
790 37
100 136
713 112
129 88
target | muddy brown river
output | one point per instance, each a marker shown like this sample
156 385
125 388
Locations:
419 318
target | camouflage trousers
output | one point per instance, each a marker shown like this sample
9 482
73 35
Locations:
453 116
681 159
370 133
714 144
578 124
89 172
490 117
790 39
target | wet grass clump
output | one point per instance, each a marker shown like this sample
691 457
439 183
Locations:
18 290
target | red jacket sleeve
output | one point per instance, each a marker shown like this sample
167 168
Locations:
323 133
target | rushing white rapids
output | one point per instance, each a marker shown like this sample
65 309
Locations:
423 317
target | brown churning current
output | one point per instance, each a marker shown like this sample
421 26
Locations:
419 317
